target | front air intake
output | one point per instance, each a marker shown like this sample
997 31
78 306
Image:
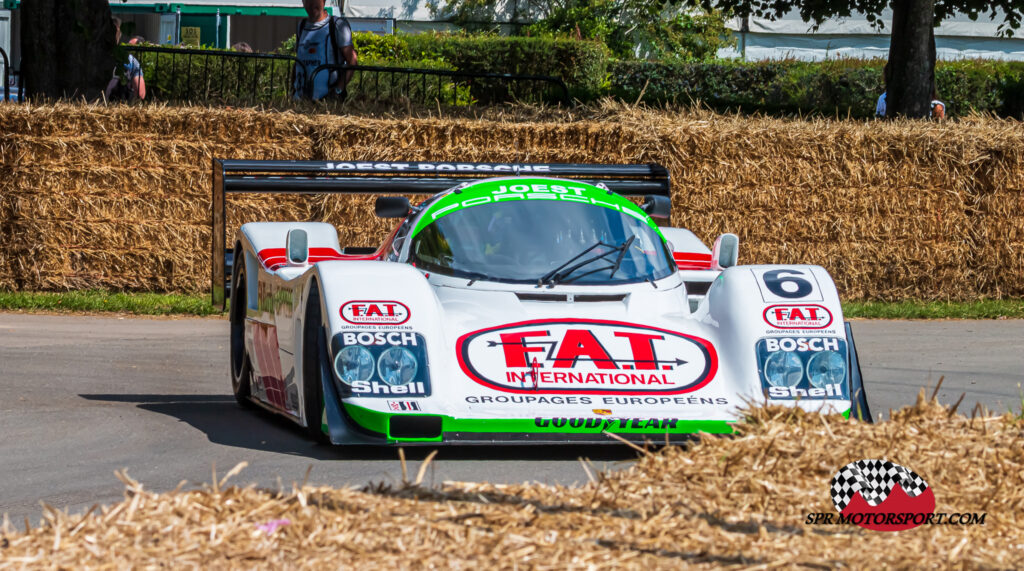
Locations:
577 298
698 288
415 426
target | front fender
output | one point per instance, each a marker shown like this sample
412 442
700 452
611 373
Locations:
394 304
772 316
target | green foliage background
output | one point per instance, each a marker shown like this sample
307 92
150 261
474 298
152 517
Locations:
843 87
834 87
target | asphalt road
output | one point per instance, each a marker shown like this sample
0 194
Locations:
84 396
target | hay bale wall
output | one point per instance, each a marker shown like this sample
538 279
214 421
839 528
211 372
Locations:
722 503
119 197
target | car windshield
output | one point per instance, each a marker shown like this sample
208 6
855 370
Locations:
532 241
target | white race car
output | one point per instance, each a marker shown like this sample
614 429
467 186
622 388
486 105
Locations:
541 306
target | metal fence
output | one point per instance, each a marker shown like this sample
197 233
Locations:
207 76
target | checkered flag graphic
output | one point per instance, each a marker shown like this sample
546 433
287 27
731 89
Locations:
874 479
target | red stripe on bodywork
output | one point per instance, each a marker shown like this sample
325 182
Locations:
274 258
692 260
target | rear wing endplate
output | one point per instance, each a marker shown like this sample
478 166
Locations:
386 177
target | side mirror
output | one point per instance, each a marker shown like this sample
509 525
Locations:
726 251
297 246
657 207
392 207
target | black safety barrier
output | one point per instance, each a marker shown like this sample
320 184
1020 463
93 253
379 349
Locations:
447 87
193 75
390 177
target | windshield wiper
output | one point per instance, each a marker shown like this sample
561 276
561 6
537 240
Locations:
558 275
473 276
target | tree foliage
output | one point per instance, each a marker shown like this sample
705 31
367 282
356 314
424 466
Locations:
911 84
817 11
630 28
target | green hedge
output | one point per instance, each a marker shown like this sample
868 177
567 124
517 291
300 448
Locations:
836 87
582 65
845 87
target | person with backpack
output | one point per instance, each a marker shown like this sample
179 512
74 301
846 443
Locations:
127 83
938 108
320 40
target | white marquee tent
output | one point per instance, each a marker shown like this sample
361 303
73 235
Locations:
791 37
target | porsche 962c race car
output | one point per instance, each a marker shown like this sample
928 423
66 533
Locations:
530 303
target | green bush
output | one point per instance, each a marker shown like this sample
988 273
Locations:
375 49
582 65
835 87
419 87
649 35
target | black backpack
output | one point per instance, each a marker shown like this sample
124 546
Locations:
123 91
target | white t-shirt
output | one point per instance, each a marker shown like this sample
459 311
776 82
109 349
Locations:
313 49
880 106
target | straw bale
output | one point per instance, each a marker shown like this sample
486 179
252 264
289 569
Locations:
208 124
739 501
891 208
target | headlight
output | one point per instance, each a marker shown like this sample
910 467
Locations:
783 369
826 368
353 363
397 366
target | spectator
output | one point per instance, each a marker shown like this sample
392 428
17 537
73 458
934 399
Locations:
126 84
136 40
880 105
938 108
242 47
322 39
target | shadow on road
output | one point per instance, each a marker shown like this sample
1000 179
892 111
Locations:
225 422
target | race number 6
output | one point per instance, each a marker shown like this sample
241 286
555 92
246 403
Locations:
789 284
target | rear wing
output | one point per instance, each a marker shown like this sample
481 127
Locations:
385 177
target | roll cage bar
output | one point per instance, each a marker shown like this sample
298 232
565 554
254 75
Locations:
391 177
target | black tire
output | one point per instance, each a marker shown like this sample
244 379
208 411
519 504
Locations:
314 355
858 394
241 366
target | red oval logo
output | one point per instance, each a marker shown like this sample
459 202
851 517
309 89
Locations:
583 356
375 312
798 316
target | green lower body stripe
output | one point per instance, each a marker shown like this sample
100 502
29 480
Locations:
380 422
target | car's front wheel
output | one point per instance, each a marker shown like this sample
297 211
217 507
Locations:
314 360
241 366
858 394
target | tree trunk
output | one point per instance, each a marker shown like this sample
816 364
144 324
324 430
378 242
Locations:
67 48
911 59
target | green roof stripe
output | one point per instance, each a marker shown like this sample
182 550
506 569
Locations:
508 189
